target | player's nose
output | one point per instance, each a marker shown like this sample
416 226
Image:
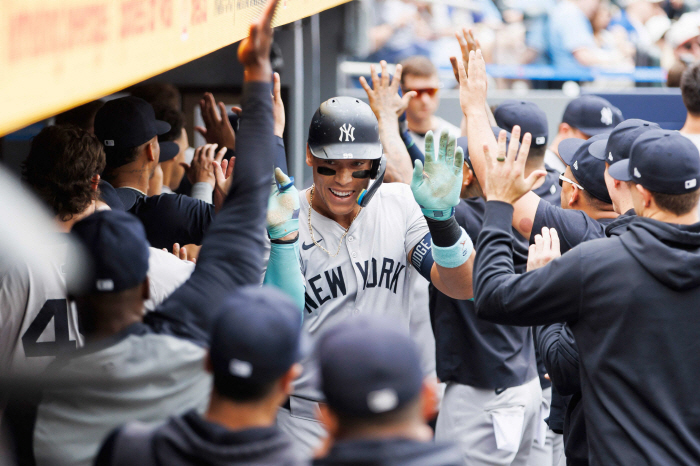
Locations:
343 176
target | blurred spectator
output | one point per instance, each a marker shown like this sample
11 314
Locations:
420 75
83 116
632 18
399 32
684 39
571 38
612 40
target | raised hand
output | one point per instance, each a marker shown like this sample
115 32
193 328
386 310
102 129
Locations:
384 98
202 167
545 249
505 174
473 83
218 129
283 208
254 50
467 43
223 172
436 186
277 106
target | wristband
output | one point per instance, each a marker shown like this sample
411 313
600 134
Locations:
438 214
453 256
280 231
444 232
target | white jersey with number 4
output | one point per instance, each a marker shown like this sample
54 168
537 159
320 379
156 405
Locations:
370 275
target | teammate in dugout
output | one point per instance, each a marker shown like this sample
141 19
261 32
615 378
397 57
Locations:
359 236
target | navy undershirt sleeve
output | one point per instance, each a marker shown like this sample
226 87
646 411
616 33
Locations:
573 226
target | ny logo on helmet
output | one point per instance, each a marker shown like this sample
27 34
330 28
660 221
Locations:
347 130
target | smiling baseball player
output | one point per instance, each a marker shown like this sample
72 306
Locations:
360 239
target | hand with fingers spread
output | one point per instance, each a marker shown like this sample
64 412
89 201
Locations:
223 172
545 249
384 98
505 172
283 208
278 106
467 43
218 129
436 186
202 167
254 50
473 82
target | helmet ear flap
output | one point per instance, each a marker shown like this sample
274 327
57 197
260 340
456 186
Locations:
375 167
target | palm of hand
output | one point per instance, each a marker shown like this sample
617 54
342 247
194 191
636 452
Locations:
437 185
281 206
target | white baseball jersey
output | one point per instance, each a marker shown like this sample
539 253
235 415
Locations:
370 275
36 320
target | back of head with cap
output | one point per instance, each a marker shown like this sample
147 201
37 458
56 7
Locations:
256 340
530 118
592 115
370 375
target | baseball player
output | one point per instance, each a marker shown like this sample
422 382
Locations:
361 239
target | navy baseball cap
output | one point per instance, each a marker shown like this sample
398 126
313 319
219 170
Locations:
116 244
662 161
125 123
527 115
464 144
256 338
620 140
592 115
368 367
588 170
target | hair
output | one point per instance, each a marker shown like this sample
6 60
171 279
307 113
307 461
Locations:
536 152
162 94
351 423
690 89
677 204
60 166
595 202
243 391
418 65
175 118
83 116
673 78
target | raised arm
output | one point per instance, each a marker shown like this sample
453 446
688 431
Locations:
387 105
232 252
472 97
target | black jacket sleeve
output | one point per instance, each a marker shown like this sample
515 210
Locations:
280 155
543 296
233 249
557 347
174 218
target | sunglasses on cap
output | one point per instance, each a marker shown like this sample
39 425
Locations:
431 91
562 178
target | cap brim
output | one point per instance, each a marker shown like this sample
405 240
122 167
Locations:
168 151
162 127
597 149
596 131
349 151
567 149
620 170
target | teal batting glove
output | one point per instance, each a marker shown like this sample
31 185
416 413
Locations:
282 207
436 186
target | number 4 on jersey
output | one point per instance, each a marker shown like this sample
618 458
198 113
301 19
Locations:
58 310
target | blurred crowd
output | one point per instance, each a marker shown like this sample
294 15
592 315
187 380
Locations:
608 34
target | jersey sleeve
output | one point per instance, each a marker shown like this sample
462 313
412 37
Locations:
233 250
573 226
166 273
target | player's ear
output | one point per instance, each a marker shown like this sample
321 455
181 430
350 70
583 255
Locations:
289 377
574 196
564 128
95 182
309 157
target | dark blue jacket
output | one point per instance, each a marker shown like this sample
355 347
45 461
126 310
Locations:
633 299
391 452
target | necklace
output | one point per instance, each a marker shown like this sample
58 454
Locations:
311 230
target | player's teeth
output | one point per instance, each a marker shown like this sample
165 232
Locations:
339 194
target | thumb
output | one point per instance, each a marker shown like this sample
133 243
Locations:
237 110
534 177
281 178
186 166
218 173
417 174
201 130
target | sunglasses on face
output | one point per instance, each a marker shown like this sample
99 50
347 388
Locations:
562 178
431 91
